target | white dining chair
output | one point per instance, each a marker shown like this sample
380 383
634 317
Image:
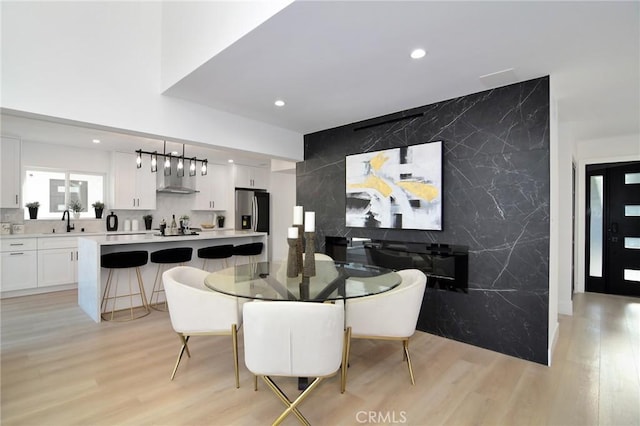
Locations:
196 310
293 339
392 315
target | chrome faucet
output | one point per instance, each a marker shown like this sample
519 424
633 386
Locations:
69 225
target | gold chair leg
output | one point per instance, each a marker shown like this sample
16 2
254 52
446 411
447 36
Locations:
291 405
345 360
234 338
255 382
182 349
405 345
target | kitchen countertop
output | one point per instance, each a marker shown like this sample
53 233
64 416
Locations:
104 233
155 237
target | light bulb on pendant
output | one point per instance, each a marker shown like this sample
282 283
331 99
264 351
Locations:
167 166
180 167
154 163
139 159
203 170
192 167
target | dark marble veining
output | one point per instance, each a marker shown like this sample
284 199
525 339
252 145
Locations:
496 202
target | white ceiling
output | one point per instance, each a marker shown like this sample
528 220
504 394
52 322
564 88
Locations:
336 63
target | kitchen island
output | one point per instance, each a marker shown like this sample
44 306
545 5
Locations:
92 278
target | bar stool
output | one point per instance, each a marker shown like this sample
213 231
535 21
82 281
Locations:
171 256
221 253
124 260
250 250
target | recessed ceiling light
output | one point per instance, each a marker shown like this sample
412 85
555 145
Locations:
230 160
418 53
96 141
279 103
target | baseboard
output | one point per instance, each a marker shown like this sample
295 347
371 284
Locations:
565 308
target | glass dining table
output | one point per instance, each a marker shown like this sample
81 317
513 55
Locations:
332 281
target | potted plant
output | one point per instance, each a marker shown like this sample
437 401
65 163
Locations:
148 219
220 220
76 206
99 207
33 209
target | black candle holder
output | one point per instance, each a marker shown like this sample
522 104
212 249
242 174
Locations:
299 246
309 268
293 267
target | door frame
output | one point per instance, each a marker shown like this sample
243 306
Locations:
600 287
580 225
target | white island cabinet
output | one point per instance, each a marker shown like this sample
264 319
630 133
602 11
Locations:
92 278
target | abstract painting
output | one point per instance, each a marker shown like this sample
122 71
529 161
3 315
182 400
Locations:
399 188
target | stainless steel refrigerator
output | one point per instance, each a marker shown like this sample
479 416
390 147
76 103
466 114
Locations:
252 210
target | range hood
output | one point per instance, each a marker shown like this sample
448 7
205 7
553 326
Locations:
174 184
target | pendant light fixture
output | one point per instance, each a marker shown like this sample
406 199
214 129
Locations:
193 161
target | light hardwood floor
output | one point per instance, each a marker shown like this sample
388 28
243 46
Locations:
60 368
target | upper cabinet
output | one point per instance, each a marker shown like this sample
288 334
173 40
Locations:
251 177
10 172
214 189
133 188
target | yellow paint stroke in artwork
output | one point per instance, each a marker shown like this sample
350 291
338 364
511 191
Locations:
374 182
378 161
419 189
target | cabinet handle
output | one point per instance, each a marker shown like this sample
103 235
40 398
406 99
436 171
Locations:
16 254
76 255
16 198
134 202
16 244
213 204
71 256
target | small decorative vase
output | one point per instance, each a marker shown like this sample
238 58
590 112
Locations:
76 215
220 222
33 212
98 213
147 223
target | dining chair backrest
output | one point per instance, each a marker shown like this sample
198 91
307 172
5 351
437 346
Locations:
293 339
390 314
193 308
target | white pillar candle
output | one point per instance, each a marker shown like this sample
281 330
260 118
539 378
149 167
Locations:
309 221
297 215
293 233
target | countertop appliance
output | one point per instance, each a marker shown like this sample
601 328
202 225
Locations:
252 210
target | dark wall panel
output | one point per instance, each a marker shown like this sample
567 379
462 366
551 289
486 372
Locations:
496 202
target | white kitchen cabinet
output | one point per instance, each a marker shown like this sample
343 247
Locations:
10 173
251 177
214 187
133 188
19 264
57 261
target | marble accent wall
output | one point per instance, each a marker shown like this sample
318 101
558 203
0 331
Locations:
496 202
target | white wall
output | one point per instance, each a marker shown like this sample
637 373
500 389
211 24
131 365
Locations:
100 63
194 32
283 198
609 150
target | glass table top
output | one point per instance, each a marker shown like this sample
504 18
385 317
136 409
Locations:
333 280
